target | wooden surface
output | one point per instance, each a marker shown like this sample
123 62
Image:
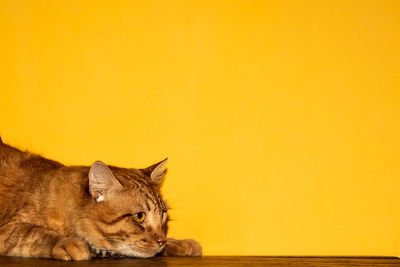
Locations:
211 261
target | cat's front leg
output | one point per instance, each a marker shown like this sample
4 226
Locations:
71 249
185 247
28 240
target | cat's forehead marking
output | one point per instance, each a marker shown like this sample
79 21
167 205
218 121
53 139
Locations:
152 204
148 199
151 198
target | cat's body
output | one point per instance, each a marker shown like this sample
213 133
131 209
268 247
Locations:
75 212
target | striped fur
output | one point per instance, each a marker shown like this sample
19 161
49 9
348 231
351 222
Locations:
49 210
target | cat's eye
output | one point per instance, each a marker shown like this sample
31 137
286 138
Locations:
139 217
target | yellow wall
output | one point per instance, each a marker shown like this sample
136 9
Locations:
280 119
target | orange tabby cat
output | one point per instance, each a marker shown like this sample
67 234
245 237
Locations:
49 210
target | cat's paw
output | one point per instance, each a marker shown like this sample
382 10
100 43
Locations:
185 247
71 249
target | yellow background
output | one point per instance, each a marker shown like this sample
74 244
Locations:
280 118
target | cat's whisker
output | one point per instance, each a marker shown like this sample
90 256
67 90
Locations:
99 214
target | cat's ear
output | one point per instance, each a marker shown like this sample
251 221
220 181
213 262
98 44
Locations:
157 172
102 182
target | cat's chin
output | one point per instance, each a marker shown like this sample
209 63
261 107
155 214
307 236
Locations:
123 252
129 252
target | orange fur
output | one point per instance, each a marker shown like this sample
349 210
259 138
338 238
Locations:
77 212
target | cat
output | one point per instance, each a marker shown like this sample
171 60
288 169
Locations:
49 210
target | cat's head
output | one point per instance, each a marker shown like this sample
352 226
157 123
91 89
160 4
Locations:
126 215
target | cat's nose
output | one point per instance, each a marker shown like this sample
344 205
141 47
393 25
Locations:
161 242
